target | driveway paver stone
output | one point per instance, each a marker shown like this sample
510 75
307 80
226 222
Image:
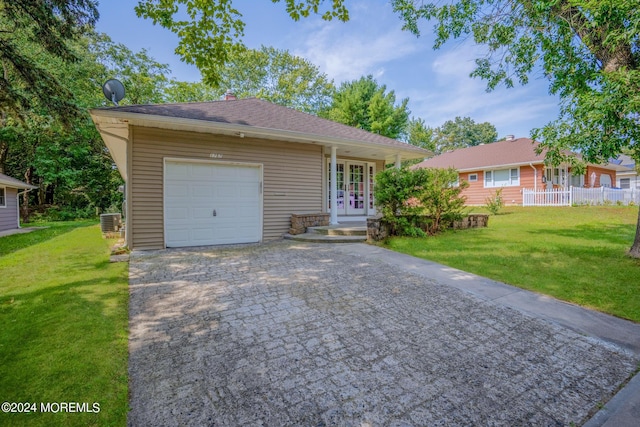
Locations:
290 333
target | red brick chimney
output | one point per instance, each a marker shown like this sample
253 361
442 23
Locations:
229 95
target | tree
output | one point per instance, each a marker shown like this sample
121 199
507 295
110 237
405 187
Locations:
31 33
420 135
211 31
462 132
366 105
279 77
177 91
588 49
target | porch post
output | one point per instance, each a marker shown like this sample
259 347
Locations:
333 220
398 161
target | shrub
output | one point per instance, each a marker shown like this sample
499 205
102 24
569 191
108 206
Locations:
415 202
495 203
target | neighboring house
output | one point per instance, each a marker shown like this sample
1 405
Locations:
234 171
513 165
627 178
9 190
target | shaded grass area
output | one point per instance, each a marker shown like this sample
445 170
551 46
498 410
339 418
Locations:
63 311
576 254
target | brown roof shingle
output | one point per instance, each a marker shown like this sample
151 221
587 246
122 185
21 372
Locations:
517 151
258 113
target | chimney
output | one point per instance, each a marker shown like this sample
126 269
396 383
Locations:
510 137
229 95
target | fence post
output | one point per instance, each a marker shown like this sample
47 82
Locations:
571 195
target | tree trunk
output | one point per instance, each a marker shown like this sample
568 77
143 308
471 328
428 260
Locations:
25 196
635 248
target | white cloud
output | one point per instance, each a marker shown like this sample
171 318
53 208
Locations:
365 45
454 93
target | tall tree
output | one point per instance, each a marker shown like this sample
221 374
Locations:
30 32
419 134
462 132
588 49
211 31
177 91
365 104
279 77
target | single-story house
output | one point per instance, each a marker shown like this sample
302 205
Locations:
627 179
513 165
233 171
9 205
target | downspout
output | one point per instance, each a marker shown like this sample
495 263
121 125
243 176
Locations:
535 177
18 203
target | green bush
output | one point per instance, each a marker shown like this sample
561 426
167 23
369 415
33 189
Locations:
495 203
416 202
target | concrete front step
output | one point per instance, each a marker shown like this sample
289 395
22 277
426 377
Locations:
324 238
339 230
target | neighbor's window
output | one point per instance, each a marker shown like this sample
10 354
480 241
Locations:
625 182
3 200
502 178
473 177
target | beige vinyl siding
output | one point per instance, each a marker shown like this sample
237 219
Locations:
292 177
9 211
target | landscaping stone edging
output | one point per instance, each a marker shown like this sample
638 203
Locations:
378 230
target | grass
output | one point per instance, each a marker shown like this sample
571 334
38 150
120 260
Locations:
576 254
63 311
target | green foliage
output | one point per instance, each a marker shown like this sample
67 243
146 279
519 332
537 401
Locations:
33 33
494 203
420 135
279 77
419 201
441 198
589 50
462 132
211 32
366 105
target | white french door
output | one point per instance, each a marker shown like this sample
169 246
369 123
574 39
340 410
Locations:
354 186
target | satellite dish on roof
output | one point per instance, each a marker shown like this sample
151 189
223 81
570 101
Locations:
113 90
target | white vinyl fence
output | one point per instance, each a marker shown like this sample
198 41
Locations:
580 196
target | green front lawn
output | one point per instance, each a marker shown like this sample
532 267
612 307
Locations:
63 311
575 254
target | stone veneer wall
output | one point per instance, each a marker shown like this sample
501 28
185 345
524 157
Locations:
300 222
378 230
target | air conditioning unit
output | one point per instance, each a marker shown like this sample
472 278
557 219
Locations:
110 222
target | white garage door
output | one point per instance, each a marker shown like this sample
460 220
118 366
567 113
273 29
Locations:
211 204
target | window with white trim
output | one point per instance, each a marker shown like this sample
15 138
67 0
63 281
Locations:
473 177
3 197
625 183
502 177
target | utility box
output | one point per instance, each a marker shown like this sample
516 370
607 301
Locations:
110 222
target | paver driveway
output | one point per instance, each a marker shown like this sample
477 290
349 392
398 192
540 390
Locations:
305 334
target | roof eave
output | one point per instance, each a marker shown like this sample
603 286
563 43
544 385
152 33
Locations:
196 125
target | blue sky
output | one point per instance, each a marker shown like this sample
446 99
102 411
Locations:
437 83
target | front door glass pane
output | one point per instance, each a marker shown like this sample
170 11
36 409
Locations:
356 187
340 180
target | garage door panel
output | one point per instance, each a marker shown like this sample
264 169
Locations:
201 190
202 213
194 190
177 213
177 190
177 171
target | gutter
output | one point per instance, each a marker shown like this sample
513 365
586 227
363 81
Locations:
18 203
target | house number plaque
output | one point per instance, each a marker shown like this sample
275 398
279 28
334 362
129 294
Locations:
215 155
